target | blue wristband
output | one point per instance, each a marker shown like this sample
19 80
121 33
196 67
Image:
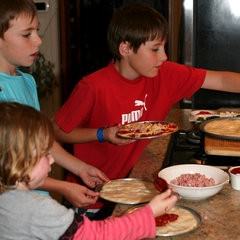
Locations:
100 136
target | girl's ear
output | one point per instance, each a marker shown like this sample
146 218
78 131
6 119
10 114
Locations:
124 48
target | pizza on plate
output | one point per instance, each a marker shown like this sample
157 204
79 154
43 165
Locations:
128 191
176 221
146 129
200 115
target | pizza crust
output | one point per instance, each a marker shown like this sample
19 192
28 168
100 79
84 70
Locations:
128 191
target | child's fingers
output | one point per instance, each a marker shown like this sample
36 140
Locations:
91 193
165 194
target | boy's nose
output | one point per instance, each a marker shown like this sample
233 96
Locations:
38 40
163 56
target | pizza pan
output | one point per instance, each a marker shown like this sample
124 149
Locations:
128 191
151 136
189 227
225 136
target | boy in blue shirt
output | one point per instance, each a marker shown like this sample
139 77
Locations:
19 46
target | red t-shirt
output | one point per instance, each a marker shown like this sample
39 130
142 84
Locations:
105 98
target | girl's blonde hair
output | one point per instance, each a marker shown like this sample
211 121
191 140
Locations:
25 136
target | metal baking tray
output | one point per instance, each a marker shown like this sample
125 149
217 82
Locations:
220 136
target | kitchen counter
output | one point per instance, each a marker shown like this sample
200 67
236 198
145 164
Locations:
220 214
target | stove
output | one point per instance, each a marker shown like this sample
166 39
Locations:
185 147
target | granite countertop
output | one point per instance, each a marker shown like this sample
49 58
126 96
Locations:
220 214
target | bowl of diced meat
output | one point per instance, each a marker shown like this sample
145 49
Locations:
194 181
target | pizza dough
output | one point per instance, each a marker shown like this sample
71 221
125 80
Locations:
128 191
185 222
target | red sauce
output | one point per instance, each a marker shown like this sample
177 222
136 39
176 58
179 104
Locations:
165 219
203 112
235 170
160 184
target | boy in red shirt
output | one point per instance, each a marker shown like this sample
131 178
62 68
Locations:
139 73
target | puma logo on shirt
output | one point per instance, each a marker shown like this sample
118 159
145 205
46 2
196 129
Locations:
135 115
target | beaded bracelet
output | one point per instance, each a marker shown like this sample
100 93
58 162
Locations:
100 135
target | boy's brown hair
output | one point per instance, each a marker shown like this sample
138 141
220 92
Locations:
10 9
25 136
135 24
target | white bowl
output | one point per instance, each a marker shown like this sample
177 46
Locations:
195 193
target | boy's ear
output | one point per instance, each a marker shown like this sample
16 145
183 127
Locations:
1 41
124 48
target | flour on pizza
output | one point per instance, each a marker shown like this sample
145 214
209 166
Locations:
128 191
146 129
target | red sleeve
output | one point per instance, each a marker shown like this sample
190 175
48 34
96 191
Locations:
183 80
77 109
136 225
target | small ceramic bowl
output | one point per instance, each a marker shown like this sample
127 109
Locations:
234 173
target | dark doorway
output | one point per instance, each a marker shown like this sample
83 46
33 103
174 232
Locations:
84 26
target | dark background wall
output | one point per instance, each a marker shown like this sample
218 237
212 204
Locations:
84 26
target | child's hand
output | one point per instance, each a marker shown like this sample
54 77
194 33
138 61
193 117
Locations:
78 195
110 135
91 175
163 202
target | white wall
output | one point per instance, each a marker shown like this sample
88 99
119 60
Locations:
50 33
